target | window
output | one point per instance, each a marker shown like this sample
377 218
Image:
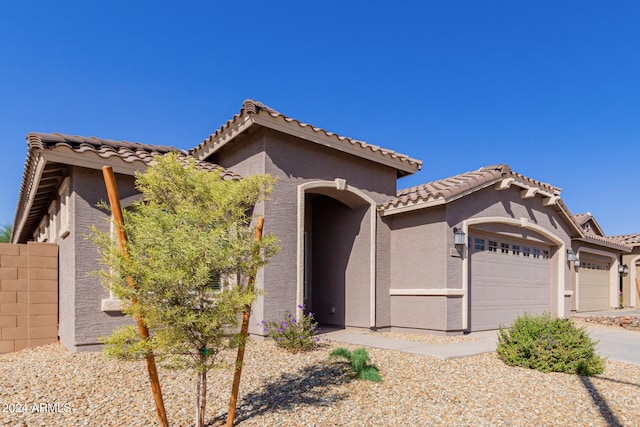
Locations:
504 248
536 253
216 284
526 251
63 191
479 244
545 254
493 246
515 249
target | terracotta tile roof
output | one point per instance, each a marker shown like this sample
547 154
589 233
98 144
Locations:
36 192
583 220
251 108
628 239
448 188
606 241
128 152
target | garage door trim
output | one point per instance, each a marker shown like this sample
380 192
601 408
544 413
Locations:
560 257
613 275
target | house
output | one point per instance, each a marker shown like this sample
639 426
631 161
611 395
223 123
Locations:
460 254
631 281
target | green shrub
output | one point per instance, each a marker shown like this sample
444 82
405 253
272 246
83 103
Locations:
294 335
549 344
358 361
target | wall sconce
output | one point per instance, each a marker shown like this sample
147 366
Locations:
576 263
623 269
459 238
571 256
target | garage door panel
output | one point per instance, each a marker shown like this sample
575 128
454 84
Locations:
594 277
505 285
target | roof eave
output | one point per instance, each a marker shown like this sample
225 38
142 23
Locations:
242 122
606 244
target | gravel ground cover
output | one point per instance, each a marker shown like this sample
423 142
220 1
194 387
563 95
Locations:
425 338
309 389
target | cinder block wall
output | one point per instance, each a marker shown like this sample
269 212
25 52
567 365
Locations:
28 295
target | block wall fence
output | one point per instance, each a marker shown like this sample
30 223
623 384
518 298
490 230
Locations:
28 295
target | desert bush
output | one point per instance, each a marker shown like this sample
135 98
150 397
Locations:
294 335
359 363
549 344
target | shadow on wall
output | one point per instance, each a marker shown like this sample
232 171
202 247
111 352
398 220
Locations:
335 260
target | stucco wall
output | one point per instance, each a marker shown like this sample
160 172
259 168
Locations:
419 249
294 162
630 295
28 295
424 257
507 203
83 300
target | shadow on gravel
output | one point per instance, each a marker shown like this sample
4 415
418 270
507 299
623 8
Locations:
601 403
618 381
309 387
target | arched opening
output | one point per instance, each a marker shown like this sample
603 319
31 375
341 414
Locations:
336 262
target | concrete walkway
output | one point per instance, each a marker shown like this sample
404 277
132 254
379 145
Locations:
616 344
485 343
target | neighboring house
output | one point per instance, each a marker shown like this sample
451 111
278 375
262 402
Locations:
631 281
597 269
354 250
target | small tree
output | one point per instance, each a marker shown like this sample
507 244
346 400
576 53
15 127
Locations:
190 249
5 233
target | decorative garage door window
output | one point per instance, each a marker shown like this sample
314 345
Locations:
515 249
593 265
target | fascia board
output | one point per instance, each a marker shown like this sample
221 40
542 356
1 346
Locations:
92 160
597 242
226 136
32 194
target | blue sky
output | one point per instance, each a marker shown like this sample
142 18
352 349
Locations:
550 88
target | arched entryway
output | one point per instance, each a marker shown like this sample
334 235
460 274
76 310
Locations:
336 253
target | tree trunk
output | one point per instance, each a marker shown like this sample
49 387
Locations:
201 398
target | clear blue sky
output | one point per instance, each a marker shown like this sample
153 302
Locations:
551 88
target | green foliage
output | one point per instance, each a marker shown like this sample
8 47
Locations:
359 363
294 335
549 344
190 251
5 233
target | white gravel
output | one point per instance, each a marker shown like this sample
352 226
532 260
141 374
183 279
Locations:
308 389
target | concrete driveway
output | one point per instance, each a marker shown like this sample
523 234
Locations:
617 344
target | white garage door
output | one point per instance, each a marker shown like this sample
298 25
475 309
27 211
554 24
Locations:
593 283
507 278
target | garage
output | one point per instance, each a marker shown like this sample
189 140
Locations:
507 277
593 282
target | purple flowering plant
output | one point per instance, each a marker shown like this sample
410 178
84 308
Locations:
294 335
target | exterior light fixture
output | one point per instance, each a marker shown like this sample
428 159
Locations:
571 256
623 269
459 237
576 263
